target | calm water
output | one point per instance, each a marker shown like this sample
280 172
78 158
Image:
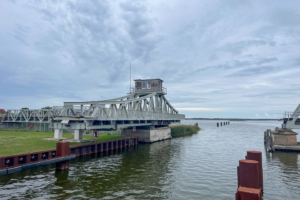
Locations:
201 166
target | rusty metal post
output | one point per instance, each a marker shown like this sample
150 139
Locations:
244 193
62 149
257 156
248 174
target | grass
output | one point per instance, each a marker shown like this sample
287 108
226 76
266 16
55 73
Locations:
16 142
181 130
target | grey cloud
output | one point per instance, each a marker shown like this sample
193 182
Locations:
233 64
254 71
209 53
20 32
265 60
286 17
239 47
140 29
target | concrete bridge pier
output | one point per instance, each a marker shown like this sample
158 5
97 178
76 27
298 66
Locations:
58 133
78 134
149 134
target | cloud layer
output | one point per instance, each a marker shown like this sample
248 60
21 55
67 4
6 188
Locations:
217 58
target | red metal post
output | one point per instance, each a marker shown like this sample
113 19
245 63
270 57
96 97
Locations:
62 149
257 156
248 174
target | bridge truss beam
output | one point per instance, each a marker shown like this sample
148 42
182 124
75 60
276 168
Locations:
130 110
292 122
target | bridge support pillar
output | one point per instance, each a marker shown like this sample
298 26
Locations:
78 134
58 133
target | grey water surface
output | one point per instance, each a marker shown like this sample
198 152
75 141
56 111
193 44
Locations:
200 166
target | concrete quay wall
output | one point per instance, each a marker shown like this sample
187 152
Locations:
61 155
149 135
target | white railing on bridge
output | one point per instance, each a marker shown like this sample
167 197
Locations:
150 90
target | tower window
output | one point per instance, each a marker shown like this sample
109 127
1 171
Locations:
148 85
144 85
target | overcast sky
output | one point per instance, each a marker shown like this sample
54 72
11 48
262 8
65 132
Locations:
226 58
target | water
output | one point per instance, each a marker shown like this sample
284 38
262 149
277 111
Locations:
201 166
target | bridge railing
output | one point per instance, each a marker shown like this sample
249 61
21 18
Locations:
150 90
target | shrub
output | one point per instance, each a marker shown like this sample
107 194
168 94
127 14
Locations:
180 130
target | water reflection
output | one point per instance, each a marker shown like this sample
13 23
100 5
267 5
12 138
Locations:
61 177
288 159
201 166
136 172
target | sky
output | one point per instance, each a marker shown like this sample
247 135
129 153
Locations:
218 58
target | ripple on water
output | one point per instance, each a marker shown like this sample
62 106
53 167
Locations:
200 166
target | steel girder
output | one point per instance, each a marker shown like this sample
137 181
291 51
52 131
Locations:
29 115
153 105
134 106
292 122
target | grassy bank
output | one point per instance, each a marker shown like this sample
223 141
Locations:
16 142
181 130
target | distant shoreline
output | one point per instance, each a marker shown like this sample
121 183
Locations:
231 119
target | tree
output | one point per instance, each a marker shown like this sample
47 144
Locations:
25 108
47 107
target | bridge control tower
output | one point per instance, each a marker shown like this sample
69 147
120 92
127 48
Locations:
147 86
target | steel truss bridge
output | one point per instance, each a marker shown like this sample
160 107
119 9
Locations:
135 109
291 120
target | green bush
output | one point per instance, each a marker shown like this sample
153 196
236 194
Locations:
180 130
